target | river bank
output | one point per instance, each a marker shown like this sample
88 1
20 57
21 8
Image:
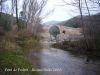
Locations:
12 61
73 47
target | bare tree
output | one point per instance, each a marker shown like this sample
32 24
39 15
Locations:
16 4
87 7
14 9
78 4
96 1
32 10
80 8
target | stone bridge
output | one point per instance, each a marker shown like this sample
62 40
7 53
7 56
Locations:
70 32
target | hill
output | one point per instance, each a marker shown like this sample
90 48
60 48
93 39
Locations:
51 22
73 22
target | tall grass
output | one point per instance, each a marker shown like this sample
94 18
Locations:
12 51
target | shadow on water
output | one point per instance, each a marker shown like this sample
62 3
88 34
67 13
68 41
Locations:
43 56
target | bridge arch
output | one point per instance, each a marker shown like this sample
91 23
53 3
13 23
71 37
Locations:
54 30
59 27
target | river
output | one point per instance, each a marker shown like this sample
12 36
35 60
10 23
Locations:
52 61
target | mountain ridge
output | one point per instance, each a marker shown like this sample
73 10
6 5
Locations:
51 22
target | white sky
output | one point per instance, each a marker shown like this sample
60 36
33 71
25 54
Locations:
60 13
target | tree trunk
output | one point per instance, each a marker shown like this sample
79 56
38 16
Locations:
17 16
80 8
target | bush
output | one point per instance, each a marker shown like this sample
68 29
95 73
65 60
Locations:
22 43
5 22
8 46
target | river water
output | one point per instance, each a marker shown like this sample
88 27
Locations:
52 61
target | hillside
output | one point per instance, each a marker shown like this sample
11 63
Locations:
73 22
51 22
76 21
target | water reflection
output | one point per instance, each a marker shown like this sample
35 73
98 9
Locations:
45 46
44 56
90 59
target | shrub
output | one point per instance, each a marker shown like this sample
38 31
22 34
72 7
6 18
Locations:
22 43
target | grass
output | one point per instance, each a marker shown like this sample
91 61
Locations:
23 43
13 60
12 49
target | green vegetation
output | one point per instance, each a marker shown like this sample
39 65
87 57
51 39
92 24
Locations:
17 33
13 60
5 23
76 21
71 23
12 55
14 45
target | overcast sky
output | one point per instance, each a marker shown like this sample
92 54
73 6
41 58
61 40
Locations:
60 13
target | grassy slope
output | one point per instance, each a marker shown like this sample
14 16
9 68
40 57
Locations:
12 58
